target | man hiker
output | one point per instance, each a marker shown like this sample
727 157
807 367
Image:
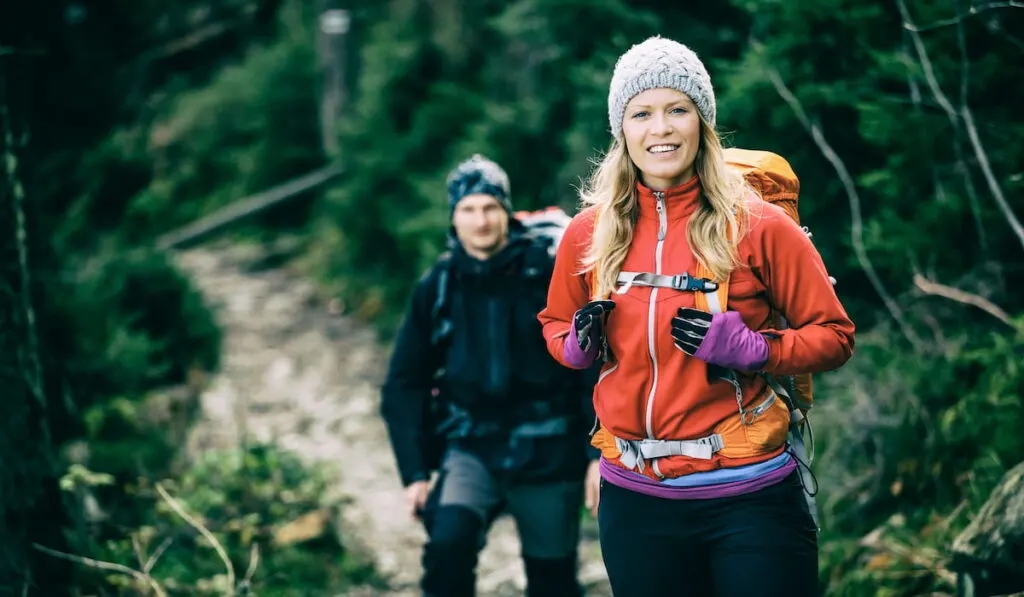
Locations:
472 389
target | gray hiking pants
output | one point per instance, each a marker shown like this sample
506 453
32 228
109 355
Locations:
470 498
547 516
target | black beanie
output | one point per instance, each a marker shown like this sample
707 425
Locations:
478 175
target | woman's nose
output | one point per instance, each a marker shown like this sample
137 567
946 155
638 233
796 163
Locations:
661 125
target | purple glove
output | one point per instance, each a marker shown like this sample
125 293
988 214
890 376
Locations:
721 339
587 339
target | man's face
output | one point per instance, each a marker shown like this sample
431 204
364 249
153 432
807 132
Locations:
481 224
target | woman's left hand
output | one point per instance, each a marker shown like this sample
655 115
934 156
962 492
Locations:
720 339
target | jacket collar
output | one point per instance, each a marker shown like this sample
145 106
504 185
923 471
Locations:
500 262
680 200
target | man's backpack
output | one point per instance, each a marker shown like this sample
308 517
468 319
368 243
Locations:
545 227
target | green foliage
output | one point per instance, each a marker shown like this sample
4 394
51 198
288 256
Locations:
256 500
910 442
907 449
131 120
906 438
130 321
523 85
253 126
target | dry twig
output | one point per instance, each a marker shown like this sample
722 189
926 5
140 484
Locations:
962 296
205 532
156 555
958 19
101 565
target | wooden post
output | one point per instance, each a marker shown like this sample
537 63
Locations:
332 29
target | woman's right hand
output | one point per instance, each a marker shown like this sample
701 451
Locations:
588 323
587 343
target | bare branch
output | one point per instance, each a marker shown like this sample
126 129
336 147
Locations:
962 296
926 65
929 560
961 164
990 178
156 555
205 532
254 562
939 337
968 119
101 565
965 64
857 223
972 11
137 549
995 27
246 207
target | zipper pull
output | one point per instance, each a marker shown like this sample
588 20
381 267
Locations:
662 220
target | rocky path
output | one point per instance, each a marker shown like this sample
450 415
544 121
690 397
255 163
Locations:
294 373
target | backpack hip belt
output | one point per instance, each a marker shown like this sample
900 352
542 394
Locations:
745 434
461 425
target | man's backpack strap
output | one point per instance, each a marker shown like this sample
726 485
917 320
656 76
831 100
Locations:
441 323
539 259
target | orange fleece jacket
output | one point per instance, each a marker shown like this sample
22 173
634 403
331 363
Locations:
653 389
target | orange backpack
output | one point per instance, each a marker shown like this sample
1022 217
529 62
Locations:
774 180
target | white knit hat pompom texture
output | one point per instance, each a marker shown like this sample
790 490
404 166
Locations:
655 63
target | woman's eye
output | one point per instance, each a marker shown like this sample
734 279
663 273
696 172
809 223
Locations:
640 114
678 111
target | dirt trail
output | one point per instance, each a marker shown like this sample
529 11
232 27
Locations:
294 373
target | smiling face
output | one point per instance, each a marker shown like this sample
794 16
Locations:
662 132
481 225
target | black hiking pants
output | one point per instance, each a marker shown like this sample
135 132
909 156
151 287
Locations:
468 498
763 544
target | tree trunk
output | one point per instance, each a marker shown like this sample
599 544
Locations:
30 507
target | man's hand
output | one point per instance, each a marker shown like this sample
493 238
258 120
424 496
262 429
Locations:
416 497
592 487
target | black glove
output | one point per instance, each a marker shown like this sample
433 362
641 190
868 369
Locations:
689 327
720 340
588 323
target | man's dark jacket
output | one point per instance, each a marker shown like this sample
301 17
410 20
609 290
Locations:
492 364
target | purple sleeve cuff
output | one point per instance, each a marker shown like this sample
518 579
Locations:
730 343
575 356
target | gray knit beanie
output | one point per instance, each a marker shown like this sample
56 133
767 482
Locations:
659 62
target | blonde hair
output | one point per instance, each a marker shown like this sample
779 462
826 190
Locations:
713 231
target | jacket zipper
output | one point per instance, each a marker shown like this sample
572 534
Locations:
492 315
651 335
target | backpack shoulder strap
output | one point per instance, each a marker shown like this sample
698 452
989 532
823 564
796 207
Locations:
441 324
539 259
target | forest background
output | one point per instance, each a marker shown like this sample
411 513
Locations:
121 122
